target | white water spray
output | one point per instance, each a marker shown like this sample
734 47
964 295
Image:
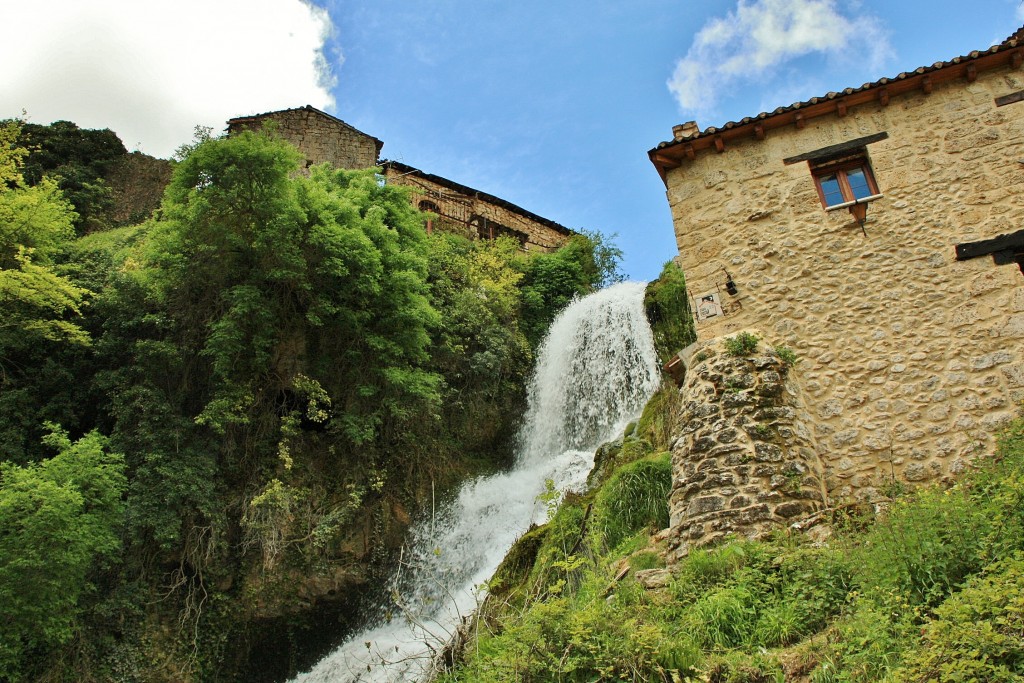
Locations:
595 370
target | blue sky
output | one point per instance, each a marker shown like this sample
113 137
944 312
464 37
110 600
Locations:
549 104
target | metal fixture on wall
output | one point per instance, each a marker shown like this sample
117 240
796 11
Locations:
730 284
860 214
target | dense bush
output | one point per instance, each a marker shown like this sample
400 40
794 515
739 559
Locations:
60 521
976 634
79 160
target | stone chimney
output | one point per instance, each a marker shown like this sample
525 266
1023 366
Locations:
685 130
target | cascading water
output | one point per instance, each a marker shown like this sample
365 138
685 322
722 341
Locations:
595 370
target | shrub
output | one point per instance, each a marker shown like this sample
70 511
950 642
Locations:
786 355
976 635
724 618
924 549
742 344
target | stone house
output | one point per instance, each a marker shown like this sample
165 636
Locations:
877 232
456 208
322 138
475 214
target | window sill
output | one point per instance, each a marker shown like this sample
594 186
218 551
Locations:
846 205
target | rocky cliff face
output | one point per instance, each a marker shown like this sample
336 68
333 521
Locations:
744 460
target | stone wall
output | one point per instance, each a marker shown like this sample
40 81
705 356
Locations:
744 461
911 360
475 214
320 136
137 184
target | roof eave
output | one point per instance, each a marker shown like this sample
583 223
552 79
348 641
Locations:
406 169
673 154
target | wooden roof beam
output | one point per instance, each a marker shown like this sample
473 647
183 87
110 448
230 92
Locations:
666 162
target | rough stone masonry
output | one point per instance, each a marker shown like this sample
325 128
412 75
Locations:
744 461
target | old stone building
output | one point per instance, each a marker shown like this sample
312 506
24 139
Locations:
323 138
475 214
877 232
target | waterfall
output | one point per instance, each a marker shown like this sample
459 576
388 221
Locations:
595 371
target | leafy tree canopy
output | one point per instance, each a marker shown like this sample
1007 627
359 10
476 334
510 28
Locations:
38 303
267 264
79 160
59 520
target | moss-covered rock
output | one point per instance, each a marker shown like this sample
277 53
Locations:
668 310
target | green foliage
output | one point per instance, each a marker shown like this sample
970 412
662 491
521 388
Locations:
668 310
79 161
741 344
273 264
928 591
634 498
285 361
976 634
59 521
550 281
787 355
480 348
924 548
656 424
560 555
40 306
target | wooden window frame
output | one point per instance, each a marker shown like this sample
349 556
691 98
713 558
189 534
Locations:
840 169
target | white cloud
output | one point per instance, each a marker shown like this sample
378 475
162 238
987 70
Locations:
750 43
152 71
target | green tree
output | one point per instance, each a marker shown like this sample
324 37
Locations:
262 265
60 520
78 160
38 304
584 264
480 348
